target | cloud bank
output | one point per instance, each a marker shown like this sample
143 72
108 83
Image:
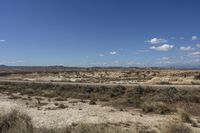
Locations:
164 47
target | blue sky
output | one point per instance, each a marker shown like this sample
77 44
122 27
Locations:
100 32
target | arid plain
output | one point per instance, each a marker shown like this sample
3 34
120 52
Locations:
100 100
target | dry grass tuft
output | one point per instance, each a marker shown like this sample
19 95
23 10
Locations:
96 128
15 122
184 116
156 107
177 127
92 100
85 128
197 77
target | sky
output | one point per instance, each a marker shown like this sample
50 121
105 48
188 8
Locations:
84 33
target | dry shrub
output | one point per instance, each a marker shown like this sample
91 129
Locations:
176 127
197 77
135 101
92 128
156 107
59 99
164 83
46 130
109 128
184 116
15 122
49 94
62 106
143 129
92 100
96 128
14 97
28 91
85 128
117 91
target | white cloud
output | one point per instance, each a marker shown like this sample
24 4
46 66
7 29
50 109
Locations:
195 53
113 53
194 38
198 45
2 40
165 58
156 41
101 55
182 38
164 47
188 48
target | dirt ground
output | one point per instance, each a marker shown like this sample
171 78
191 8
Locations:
167 76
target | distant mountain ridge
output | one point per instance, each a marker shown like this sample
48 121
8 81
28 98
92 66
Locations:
66 68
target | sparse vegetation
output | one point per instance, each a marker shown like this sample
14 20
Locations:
197 77
102 128
164 83
117 96
176 127
117 91
134 101
185 117
156 107
15 122
92 100
62 106
59 99
14 97
86 128
124 99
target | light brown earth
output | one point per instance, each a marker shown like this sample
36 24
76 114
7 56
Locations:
168 76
